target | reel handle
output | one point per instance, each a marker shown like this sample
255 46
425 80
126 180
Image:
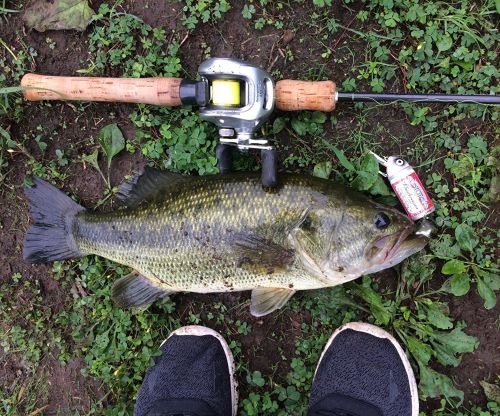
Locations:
157 91
292 95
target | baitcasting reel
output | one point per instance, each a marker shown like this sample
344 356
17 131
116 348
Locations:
238 98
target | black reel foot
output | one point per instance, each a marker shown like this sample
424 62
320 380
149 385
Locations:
224 155
269 176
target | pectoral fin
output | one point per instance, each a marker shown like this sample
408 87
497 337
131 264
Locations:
267 300
261 255
134 290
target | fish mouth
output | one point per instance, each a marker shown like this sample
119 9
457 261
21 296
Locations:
384 248
394 248
413 242
399 242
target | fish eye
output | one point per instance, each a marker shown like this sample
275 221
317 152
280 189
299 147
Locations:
382 221
400 162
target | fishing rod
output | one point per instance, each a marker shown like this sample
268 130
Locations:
417 98
236 96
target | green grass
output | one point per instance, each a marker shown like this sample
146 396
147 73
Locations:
402 45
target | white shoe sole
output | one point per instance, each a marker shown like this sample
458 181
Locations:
199 331
380 333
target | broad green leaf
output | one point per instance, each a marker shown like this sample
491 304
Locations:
299 127
381 313
454 266
4 133
420 350
445 355
491 279
458 284
444 43
367 173
473 215
112 141
491 391
363 181
292 393
256 379
466 237
449 345
457 340
278 125
435 314
437 385
323 170
369 164
490 299
58 15
289 396
478 148
318 117
349 84
461 168
92 159
380 187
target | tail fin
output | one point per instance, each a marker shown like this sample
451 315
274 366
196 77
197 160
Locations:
50 237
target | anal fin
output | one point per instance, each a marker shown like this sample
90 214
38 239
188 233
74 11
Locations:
135 290
266 300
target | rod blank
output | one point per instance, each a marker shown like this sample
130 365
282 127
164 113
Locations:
421 98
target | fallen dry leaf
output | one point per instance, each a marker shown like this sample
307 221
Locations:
491 391
58 15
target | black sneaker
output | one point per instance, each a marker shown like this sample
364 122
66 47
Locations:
363 371
194 376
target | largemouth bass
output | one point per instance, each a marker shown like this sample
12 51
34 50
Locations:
224 233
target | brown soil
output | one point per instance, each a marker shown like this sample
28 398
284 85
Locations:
75 132
484 364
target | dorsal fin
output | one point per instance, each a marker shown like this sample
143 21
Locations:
148 186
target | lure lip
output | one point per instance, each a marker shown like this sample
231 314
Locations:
426 228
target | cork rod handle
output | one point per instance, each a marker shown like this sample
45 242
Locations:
158 91
294 95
